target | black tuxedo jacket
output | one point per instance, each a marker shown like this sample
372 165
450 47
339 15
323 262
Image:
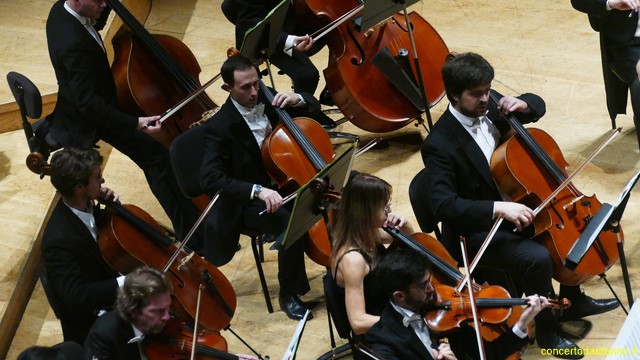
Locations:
108 339
77 272
461 188
245 14
614 24
390 339
86 102
233 163
616 28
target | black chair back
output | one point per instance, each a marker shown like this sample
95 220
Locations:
419 198
336 306
186 157
49 291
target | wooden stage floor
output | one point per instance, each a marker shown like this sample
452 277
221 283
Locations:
535 46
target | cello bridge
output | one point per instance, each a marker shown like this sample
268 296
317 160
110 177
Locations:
575 200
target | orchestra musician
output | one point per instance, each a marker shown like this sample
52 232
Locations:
617 21
290 56
141 311
86 110
77 273
358 241
466 200
232 163
405 277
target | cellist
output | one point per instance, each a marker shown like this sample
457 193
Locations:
77 273
290 55
232 162
141 314
87 111
464 197
405 277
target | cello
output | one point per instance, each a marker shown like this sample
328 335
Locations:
130 238
351 72
295 151
155 72
528 167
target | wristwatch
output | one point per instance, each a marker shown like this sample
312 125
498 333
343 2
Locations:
257 189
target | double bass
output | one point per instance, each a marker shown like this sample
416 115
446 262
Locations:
155 72
362 92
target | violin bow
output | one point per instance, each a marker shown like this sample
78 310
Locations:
195 325
472 301
536 211
329 27
202 216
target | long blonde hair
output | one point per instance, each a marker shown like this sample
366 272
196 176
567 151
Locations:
362 200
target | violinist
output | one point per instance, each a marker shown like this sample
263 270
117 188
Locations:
358 246
141 313
87 111
78 274
465 198
232 162
290 56
405 277
618 23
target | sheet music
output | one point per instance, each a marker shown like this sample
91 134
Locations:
627 344
290 354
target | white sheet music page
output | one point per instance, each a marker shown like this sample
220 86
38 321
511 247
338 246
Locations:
627 344
290 354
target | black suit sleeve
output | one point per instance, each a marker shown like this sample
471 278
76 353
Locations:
591 7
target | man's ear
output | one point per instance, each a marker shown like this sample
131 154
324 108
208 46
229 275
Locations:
226 87
398 296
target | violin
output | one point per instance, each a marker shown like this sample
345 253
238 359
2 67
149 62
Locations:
446 272
494 304
361 90
293 154
129 237
176 342
529 167
154 72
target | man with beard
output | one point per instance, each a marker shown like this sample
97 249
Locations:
463 196
405 277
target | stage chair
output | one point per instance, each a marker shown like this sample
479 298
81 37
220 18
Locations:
337 315
39 139
186 156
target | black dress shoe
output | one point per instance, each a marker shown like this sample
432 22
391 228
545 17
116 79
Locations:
293 307
324 120
553 344
586 306
325 98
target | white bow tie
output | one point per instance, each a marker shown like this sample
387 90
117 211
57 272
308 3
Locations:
415 318
256 113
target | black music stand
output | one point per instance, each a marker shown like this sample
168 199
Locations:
376 11
311 204
260 41
606 219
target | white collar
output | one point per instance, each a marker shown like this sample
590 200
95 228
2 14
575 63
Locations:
466 121
85 21
138 335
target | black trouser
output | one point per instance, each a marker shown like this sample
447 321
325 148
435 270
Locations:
299 68
153 159
292 274
623 60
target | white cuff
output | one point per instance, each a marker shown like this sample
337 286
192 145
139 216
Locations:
519 333
289 45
